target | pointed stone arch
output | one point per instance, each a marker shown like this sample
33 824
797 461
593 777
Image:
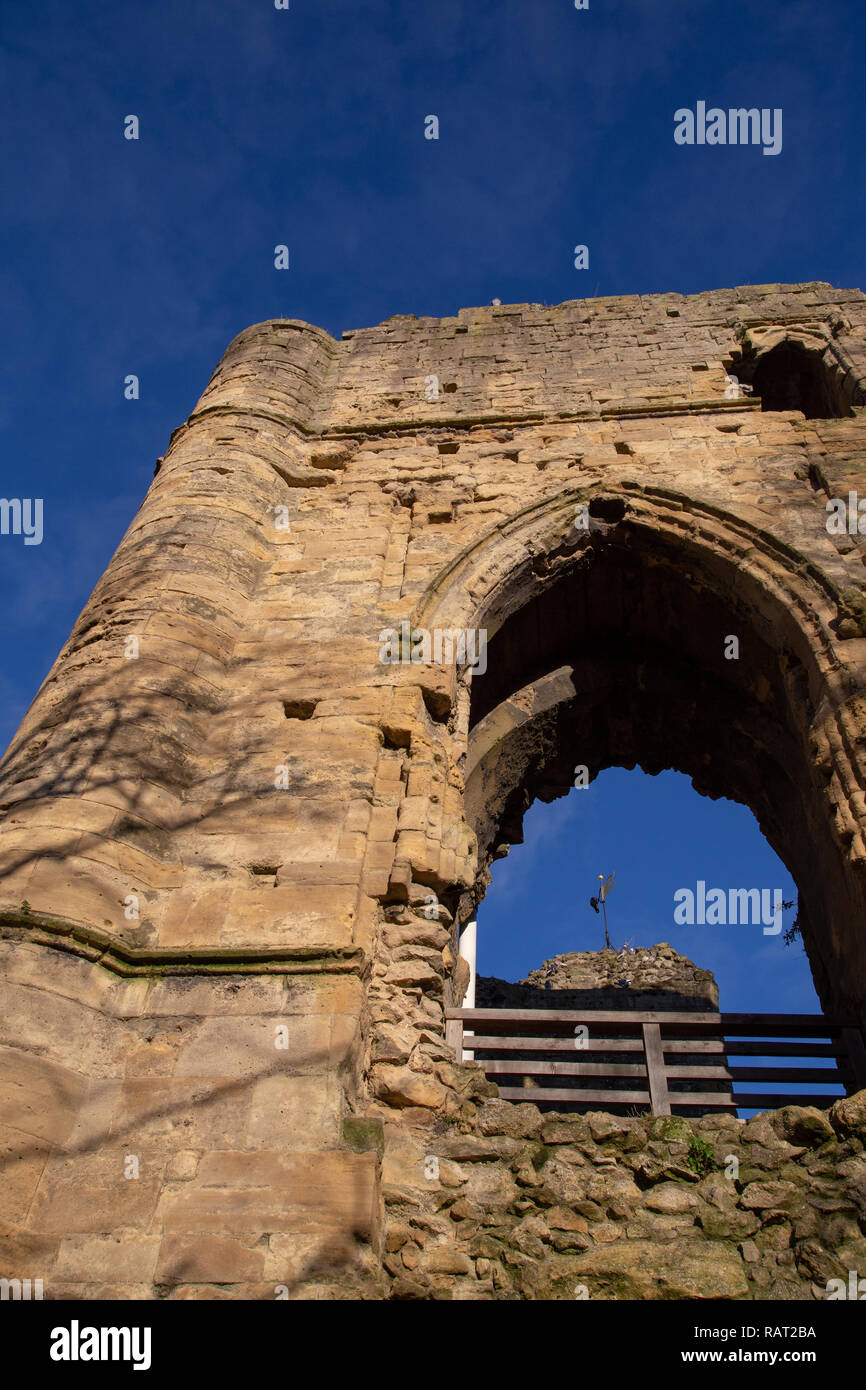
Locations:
780 730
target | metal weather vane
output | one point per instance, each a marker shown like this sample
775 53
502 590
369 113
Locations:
606 885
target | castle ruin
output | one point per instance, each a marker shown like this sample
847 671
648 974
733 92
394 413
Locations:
247 777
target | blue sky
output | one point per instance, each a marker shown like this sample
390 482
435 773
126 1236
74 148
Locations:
657 836
306 127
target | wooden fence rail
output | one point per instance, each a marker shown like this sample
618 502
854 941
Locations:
670 1061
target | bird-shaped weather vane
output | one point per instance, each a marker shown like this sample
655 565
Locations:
606 885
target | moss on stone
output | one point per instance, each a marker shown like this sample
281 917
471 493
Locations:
361 1135
671 1128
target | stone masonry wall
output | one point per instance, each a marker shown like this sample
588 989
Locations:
529 1206
224 815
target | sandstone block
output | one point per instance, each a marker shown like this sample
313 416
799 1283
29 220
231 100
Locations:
400 1087
208 1259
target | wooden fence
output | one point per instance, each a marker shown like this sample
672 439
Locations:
670 1061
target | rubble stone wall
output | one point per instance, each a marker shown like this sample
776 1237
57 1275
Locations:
641 977
552 1207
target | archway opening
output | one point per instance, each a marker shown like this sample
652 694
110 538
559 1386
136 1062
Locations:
658 836
541 942
798 374
790 378
638 646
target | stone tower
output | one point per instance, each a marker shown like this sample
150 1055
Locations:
242 823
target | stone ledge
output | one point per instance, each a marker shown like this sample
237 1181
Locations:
98 946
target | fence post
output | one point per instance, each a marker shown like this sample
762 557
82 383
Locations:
655 1069
856 1050
454 1036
